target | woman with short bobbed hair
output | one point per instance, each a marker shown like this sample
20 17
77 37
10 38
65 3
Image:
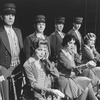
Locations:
89 50
72 86
89 53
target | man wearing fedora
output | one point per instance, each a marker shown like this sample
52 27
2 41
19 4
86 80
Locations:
75 32
11 45
39 25
56 38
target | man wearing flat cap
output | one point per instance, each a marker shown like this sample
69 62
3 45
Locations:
75 32
39 26
56 38
11 45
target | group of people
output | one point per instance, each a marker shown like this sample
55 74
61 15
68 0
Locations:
56 66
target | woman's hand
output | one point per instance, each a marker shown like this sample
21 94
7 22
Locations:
91 64
57 93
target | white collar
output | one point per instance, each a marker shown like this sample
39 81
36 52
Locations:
7 28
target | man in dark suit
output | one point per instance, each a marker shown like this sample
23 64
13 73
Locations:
11 45
75 31
56 38
39 25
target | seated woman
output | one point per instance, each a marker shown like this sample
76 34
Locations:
89 53
39 70
72 86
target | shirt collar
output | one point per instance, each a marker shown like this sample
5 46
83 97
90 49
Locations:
7 28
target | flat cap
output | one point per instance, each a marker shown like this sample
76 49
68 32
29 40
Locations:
78 20
40 18
9 8
60 20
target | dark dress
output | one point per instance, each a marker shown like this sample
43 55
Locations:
69 84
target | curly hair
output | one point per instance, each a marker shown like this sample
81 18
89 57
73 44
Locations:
88 36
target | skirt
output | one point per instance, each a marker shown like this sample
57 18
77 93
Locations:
73 88
93 74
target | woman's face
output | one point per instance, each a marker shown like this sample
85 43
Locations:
71 44
41 51
91 42
41 27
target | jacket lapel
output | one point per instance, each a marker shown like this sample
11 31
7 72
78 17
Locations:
4 39
59 37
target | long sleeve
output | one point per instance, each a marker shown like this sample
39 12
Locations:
87 55
30 73
27 47
53 47
66 61
96 54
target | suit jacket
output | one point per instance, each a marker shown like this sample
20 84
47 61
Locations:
28 45
5 52
55 45
79 46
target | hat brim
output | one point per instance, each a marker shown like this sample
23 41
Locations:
40 21
78 22
60 22
7 12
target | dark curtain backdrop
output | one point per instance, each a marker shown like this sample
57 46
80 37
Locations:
28 9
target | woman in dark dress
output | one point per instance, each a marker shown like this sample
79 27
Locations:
72 86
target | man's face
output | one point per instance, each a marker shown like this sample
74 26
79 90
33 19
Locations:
76 26
59 27
9 19
41 27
